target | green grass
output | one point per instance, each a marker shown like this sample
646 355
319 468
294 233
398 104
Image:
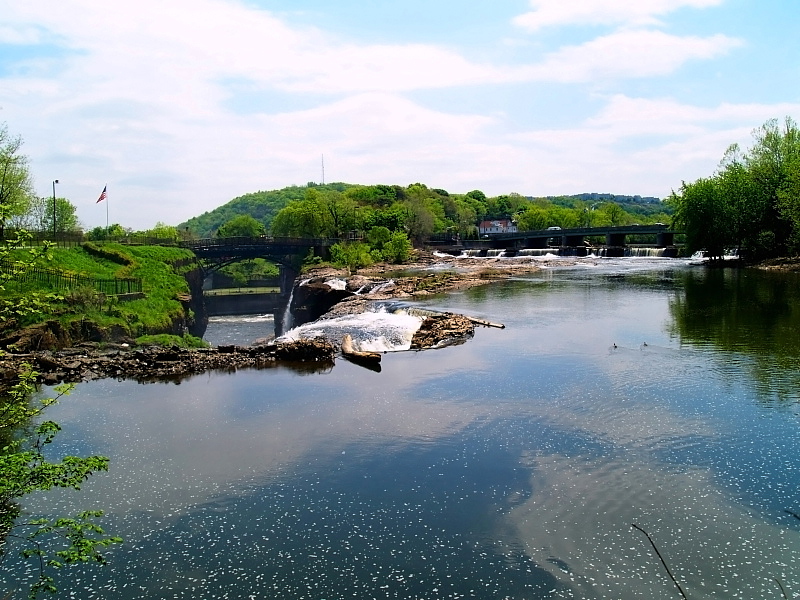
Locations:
163 339
161 270
242 291
76 261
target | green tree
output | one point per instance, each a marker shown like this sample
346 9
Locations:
789 201
339 214
245 271
162 231
747 203
38 216
703 215
533 218
16 185
378 236
420 219
352 255
477 195
614 213
241 226
397 249
301 218
114 231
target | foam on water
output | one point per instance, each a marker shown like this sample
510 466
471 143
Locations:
336 284
377 330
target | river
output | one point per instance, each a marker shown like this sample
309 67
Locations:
622 391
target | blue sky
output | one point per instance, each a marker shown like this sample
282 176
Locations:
182 105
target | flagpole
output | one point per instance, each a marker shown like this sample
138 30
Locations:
104 196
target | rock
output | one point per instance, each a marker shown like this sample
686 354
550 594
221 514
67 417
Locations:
357 283
439 329
315 298
317 350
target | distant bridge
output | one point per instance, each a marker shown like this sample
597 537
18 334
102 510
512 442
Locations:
572 240
215 253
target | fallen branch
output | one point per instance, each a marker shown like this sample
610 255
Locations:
661 558
780 585
486 323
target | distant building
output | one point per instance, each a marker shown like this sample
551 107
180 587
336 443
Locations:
497 226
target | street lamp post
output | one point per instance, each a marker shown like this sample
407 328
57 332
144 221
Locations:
55 181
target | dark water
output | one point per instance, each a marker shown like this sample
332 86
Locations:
620 392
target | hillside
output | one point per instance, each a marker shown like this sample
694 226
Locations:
262 206
449 211
637 205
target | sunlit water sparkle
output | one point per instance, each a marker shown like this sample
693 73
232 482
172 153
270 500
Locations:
509 467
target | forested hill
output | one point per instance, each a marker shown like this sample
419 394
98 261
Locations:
262 206
454 211
638 205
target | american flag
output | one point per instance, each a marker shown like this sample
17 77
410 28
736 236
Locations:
102 194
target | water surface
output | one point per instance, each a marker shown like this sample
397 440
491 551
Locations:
512 466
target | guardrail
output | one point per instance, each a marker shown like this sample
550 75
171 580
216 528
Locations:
59 280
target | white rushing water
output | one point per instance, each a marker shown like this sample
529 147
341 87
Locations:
379 330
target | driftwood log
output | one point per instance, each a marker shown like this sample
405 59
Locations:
485 323
367 359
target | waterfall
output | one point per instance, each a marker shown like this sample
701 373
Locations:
287 321
375 330
537 252
644 252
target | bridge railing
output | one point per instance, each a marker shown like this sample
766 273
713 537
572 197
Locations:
586 231
264 240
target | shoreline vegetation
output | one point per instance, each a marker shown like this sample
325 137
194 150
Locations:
159 357
170 357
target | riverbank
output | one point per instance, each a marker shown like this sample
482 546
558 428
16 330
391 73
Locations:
91 360
428 274
787 264
433 273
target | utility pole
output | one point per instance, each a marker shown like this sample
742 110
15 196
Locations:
55 181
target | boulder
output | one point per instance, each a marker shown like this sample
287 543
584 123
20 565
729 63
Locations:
437 330
314 350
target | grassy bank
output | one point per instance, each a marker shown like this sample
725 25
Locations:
83 310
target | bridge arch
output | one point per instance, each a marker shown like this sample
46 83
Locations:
215 253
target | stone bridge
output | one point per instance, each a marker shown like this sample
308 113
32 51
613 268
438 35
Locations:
215 253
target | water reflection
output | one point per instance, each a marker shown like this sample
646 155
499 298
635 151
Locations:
508 467
752 318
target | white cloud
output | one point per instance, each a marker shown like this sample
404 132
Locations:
19 36
548 13
141 99
656 143
628 54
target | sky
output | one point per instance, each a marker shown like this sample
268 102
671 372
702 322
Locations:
179 106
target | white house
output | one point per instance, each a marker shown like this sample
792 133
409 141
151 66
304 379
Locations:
497 226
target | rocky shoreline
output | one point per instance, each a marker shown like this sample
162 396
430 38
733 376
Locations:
428 275
332 293
93 360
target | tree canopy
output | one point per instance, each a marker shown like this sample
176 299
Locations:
752 202
241 226
16 185
38 216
